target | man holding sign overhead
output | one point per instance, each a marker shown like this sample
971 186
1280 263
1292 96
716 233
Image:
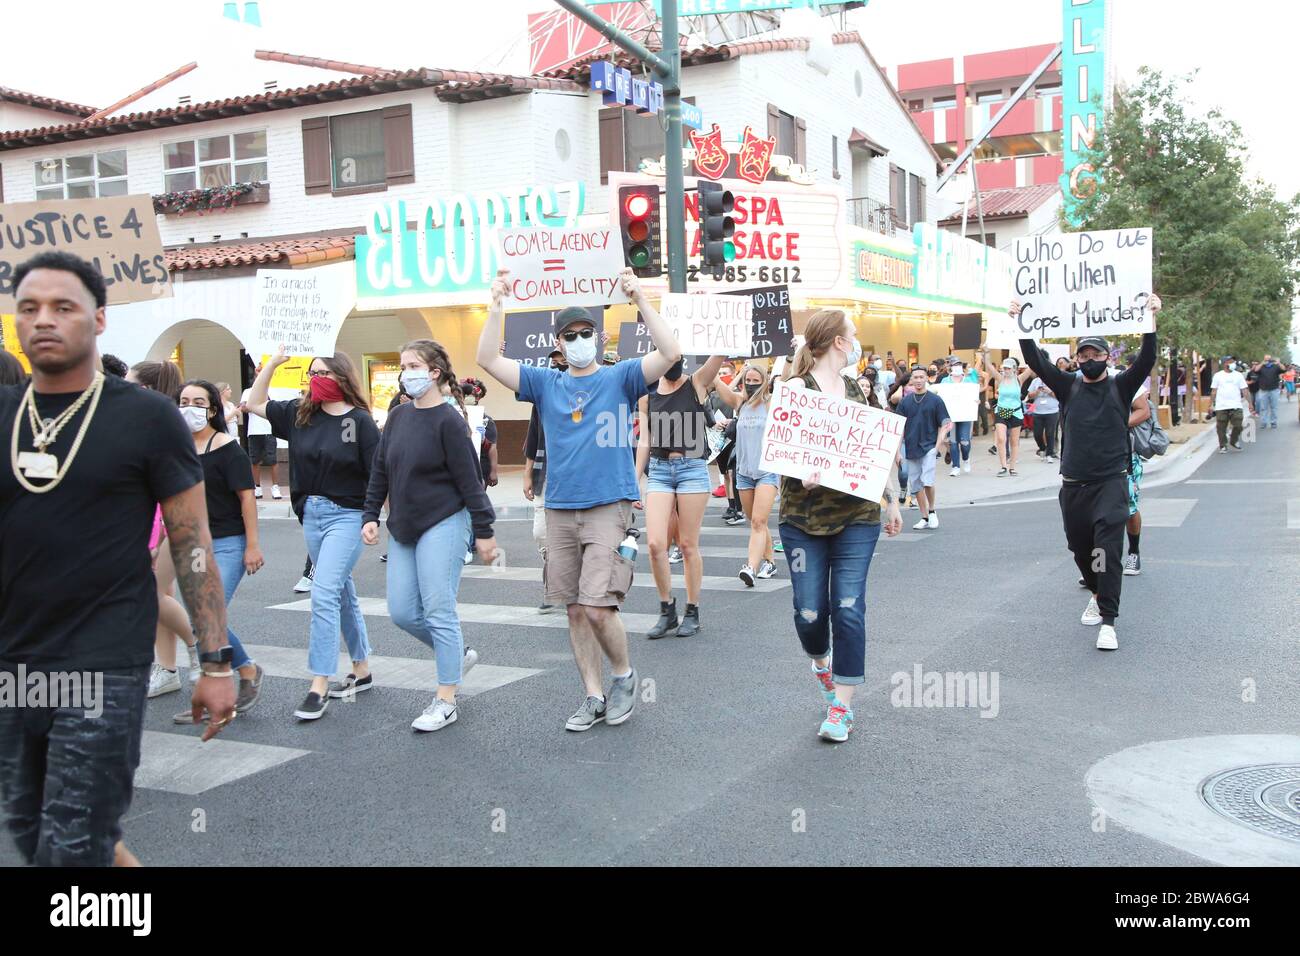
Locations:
591 484
1095 462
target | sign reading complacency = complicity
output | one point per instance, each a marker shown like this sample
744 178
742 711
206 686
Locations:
553 268
851 447
1083 283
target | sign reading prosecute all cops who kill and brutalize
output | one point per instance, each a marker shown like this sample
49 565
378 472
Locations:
1083 282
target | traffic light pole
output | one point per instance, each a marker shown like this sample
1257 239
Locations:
667 65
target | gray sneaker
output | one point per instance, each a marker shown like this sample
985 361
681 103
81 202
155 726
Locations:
248 691
621 699
587 716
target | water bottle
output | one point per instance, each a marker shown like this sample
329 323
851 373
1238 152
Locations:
628 549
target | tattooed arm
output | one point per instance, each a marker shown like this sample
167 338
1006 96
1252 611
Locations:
186 518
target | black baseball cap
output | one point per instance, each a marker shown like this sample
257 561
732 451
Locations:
571 315
1093 341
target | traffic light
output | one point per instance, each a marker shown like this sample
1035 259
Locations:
716 226
638 219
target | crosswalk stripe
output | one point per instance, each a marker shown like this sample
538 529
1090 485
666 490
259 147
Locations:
1242 481
182 763
510 614
1293 514
743 531
401 673
710 582
1166 512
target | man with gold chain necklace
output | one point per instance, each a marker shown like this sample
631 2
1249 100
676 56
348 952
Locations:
88 458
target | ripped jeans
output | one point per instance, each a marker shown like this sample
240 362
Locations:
960 445
828 574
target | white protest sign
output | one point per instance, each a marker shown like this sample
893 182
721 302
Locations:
302 309
477 427
961 398
1084 283
554 268
851 446
1055 351
710 324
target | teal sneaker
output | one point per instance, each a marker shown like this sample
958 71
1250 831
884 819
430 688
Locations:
824 678
778 547
837 725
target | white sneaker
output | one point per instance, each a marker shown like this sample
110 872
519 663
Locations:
163 681
921 525
1091 614
966 467
303 586
436 716
955 472
471 658
934 520
257 492
195 669
747 575
1106 640
469 557
275 492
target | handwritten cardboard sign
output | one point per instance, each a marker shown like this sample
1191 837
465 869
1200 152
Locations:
773 326
303 310
530 336
554 268
709 324
1083 283
117 235
961 398
850 446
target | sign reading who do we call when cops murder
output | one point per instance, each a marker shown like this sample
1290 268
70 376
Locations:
850 446
1083 283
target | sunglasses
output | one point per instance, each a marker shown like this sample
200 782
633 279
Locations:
579 334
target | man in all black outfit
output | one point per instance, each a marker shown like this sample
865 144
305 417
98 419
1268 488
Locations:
1095 463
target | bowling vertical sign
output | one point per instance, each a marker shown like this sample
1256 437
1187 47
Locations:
1085 95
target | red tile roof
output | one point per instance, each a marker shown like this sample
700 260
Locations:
462 87
295 252
338 66
143 91
44 102
1009 203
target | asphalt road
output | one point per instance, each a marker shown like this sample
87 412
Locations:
722 766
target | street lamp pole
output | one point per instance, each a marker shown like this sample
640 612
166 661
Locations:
667 65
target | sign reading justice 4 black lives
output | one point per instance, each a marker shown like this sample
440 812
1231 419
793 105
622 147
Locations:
1083 283
117 235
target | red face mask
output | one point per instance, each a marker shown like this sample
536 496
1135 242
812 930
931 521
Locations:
325 389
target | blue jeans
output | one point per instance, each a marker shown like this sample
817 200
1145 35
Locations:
333 536
422 582
1266 406
828 574
960 442
229 555
683 476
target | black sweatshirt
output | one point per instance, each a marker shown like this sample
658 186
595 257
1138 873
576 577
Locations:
427 469
1095 427
329 457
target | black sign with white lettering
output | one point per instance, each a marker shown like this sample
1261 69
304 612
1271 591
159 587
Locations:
634 341
773 326
530 336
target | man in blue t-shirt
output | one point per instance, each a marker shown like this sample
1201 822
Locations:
591 487
925 436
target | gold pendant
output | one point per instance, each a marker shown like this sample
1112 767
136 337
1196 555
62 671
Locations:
38 465
577 415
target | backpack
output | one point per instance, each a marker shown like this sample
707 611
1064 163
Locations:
1149 439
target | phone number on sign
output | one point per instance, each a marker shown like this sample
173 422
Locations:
776 275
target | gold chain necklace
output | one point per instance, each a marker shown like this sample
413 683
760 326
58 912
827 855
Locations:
39 464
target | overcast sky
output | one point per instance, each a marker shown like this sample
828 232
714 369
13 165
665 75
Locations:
1241 48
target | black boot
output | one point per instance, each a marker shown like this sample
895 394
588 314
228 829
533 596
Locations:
690 625
667 623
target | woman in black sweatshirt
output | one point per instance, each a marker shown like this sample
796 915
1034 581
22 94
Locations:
425 467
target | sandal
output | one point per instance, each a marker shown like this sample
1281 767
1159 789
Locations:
1002 473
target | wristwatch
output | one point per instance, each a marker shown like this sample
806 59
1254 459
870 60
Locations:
222 655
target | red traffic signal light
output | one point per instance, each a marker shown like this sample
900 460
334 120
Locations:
638 216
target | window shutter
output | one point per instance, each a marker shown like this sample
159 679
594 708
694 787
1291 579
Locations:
611 141
801 142
897 193
2 182
316 175
919 184
835 157
399 145
773 122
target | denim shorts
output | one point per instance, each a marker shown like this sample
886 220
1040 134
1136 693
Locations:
683 476
745 483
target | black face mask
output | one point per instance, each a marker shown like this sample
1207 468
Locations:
751 390
674 371
1093 368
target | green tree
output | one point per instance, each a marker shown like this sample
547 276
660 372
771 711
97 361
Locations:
1227 262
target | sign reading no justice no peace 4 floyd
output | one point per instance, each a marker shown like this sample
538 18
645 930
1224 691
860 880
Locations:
1083 283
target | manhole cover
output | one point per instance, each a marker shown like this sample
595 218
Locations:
1265 798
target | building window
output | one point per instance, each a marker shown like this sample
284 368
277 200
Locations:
916 206
643 139
835 157
943 102
357 149
790 133
914 105
82 177
1048 89
989 96
215 161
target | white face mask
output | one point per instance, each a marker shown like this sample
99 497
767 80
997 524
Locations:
195 417
851 366
416 381
878 364
581 352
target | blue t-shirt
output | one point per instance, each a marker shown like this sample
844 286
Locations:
590 462
924 419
